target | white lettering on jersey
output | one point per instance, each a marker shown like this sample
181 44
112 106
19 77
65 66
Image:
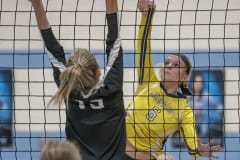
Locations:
94 104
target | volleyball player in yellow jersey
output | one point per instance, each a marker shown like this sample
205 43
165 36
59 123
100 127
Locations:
158 110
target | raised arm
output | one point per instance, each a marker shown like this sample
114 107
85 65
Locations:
40 14
113 41
113 77
144 65
56 53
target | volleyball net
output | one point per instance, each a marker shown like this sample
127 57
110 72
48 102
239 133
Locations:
207 31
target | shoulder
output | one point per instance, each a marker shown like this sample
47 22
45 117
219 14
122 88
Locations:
147 88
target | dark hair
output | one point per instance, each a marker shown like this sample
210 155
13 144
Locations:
187 62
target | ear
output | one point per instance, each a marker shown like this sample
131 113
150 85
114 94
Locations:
98 72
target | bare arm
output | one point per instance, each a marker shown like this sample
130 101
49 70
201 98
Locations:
144 64
40 14
111 6
113 77
56 52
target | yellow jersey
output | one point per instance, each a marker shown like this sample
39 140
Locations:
154 115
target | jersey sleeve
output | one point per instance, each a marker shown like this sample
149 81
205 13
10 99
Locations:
55 53
188 132
113 77
144 64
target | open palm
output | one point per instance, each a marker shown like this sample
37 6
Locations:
206 150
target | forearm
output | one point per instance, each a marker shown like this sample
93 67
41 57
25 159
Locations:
40 14
111 6
144 65
113 27
113 40
55 54
51 42
188 132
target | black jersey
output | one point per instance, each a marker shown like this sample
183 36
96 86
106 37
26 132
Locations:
96 121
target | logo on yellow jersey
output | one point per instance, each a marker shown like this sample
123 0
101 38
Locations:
161 101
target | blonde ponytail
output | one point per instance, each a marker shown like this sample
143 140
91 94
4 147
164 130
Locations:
80 75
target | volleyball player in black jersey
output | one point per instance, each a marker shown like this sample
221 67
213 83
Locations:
94 107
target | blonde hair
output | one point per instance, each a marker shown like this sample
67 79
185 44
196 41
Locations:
80 75
59 150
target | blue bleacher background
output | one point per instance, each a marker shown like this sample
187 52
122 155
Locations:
37 59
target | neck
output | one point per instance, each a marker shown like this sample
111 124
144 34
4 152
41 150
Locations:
171 87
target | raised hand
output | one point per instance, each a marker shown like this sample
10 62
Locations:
144 5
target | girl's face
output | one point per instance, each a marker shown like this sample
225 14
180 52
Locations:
174 70
198 83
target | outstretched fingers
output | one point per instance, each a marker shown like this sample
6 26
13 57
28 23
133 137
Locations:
216 148
207 150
